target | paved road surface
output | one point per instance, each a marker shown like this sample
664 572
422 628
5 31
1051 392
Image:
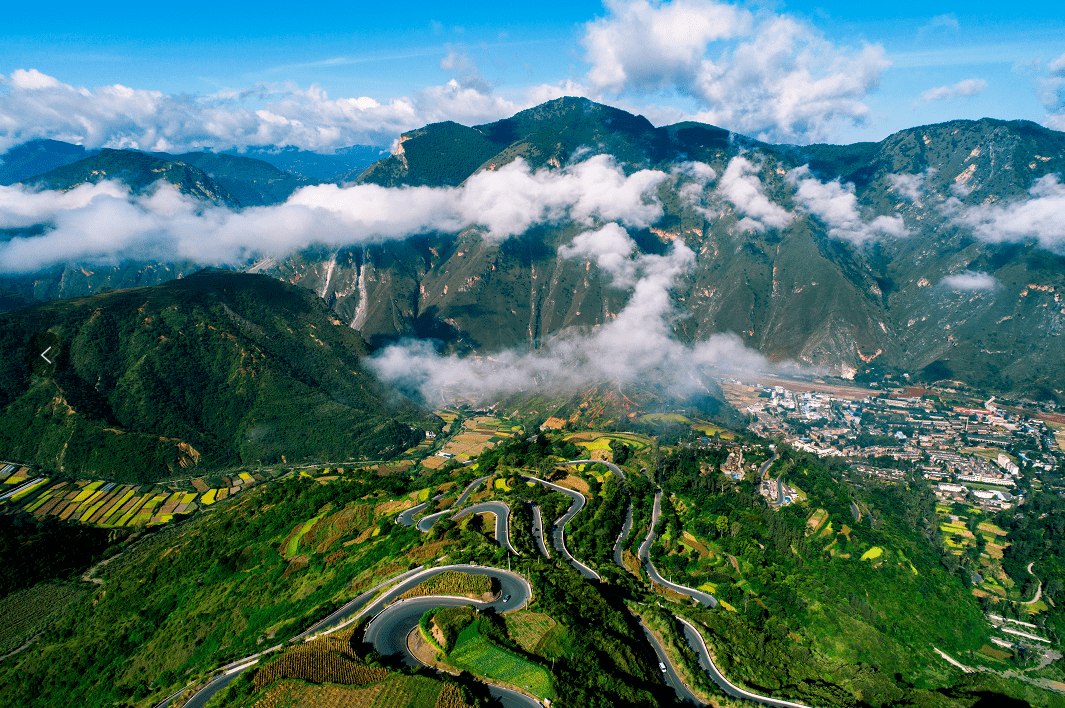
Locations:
389 629
502 512
558 531
695 641
706 599
670 676
619 545
766 465
424 524
538 530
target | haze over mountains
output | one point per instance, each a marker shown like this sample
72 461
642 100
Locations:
576 240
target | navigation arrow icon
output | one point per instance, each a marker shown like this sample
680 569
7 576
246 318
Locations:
46 358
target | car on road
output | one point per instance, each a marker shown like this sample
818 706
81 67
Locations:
506 599
661 667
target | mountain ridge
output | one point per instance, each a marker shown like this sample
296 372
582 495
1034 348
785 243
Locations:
799 292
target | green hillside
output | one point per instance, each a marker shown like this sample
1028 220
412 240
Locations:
136 169
212 370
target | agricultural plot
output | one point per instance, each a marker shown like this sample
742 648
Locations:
474 652
397 690
25 613
529 628
477 435
452 582
110 504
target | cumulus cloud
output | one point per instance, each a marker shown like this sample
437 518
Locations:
35 105
610 248
104 223
1052 93
636 346
909 186
837 206
962 89
969 280
770 76
740 186
1041 217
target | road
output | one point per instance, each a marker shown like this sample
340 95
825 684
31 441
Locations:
502 512
670 676
695 641
538 530
388 630
558 531
609 465
407 517
619 545
766 465
706 599
1039 590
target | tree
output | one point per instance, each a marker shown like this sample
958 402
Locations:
722 525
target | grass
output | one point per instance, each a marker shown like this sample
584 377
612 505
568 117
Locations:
294 542
475 653
874 552
24 613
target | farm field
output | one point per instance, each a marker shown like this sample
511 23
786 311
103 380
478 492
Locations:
528 629
397 690
475 653
113 505
477 434
453 583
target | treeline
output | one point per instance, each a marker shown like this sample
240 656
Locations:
33 550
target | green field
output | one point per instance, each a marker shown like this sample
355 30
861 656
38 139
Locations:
474 652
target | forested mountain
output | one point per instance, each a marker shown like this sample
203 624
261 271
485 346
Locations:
212 370
872 264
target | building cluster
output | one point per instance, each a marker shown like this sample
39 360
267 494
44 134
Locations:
977 454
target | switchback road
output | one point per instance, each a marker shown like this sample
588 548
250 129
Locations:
645 556
558 531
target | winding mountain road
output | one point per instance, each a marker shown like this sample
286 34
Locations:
695 641
1038 590
502 512
619 545
558 531
389 629
704 598
538 530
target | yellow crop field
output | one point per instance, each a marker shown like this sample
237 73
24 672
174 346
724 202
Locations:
874 552
208 497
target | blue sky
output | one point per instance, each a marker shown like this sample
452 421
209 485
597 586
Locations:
324 75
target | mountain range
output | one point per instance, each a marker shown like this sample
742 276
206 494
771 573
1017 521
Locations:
856 260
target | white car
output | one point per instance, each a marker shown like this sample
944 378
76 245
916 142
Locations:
662 667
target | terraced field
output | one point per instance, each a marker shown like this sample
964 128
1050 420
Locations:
475 653
111 505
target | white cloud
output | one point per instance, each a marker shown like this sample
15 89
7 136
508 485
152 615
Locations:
962 89
636 346
948 21
837 206
740 186
104 223
1040 218
35 105
969 280
770 76
610 247
909 186
1052 93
